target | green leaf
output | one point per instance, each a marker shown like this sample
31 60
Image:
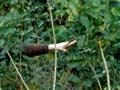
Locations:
85 21
96 2
74 78
114 3
116 11
88 83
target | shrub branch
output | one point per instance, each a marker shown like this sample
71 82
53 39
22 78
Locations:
105 65
54 36
96 76
17 70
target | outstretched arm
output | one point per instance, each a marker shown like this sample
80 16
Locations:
37 49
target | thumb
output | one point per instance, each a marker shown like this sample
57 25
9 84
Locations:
64 50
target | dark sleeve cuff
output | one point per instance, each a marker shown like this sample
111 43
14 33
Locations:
34 50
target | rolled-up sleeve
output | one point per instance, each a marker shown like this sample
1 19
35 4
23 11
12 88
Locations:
34 49
27 50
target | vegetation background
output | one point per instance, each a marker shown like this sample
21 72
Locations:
92 64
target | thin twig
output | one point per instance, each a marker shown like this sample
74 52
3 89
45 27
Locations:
54 36
96 76
0 85
105 26
62 85
17 70
21 60
105 65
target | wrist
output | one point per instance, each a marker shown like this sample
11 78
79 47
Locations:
52 46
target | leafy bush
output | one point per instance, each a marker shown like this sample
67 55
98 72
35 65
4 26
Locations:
94 23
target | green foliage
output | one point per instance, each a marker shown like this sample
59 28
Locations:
89 21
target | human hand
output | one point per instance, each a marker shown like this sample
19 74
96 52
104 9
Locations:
63 46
